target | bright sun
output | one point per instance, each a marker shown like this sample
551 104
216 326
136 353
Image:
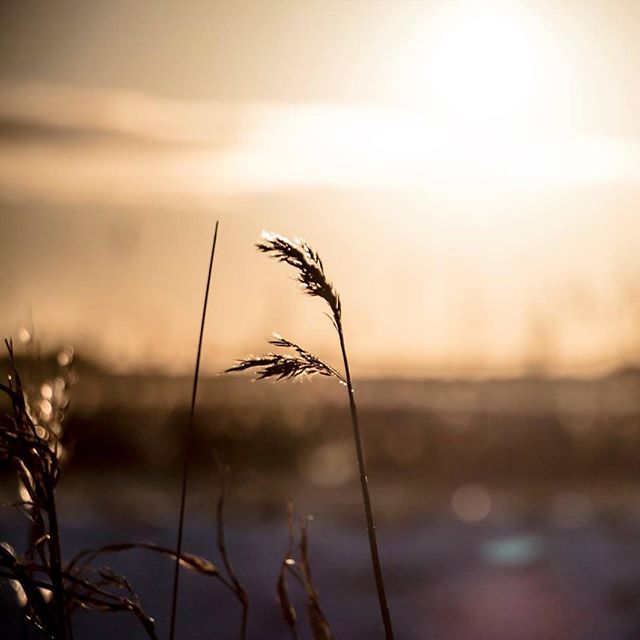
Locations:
484 60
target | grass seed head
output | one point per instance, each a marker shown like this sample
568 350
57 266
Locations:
308 265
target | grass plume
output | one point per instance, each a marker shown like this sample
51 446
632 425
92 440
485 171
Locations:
281 367
310 273
308 266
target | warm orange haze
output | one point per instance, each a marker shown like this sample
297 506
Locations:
426 260
470 170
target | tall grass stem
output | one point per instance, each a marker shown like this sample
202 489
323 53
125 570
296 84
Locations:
364 483
55 558
299 362
188 444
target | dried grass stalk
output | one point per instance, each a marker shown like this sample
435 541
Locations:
187 453
301 571
310 274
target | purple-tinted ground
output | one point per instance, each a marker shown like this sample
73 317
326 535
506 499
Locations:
519 574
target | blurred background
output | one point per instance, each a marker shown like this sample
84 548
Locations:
468 171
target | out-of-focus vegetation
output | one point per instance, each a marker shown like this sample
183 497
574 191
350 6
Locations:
482 487
525 430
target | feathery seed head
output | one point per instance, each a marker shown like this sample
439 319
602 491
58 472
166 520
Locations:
285 367
308 265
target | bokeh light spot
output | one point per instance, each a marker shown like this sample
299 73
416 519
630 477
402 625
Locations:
471 503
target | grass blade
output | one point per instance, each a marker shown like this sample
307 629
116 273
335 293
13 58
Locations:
187 453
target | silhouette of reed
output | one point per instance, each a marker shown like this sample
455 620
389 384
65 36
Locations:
33 451
300 363
189 439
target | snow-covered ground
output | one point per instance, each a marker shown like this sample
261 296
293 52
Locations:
568 574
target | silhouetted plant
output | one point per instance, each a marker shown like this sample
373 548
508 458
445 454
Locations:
232 583
32 449
310 274
53 590
189 438
301 571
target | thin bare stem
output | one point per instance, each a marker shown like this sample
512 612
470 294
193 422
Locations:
286 607
236 586
364 483
187 453
56 570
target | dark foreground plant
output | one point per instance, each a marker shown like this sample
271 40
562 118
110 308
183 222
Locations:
53 590
301 571
232 581
33 451
299 362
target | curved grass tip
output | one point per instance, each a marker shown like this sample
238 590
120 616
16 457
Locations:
308 265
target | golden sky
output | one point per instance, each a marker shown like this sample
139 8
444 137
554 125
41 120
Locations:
469 171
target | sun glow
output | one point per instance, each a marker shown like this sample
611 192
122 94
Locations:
484 63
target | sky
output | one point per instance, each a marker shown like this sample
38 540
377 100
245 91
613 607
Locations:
469 171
